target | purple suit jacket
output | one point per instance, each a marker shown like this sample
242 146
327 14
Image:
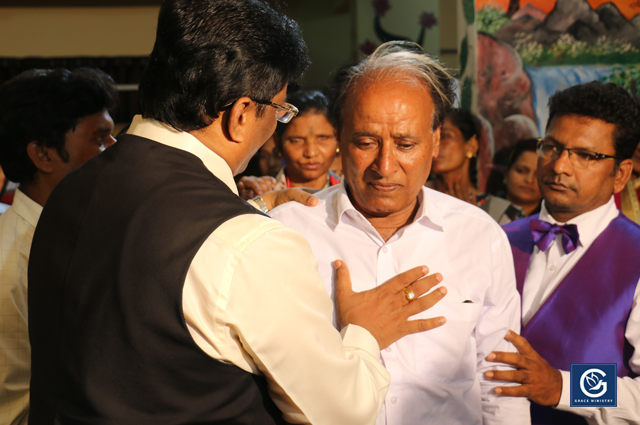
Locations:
584 319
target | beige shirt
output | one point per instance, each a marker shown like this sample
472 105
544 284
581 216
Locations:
17 225
253 298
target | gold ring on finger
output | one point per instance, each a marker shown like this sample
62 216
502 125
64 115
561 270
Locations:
409 294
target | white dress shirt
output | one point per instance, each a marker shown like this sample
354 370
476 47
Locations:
436 376
17 225
545 272
253 298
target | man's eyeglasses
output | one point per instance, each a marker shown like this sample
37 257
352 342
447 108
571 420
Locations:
580 158
284 113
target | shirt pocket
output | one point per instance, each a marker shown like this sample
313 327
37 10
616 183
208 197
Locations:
448 353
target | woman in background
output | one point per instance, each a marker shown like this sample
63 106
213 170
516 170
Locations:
628 200
456 173
520 179
308 146
269 160
523 196
455 166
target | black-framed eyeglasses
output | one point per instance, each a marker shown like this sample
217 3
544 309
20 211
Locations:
284 113
580 158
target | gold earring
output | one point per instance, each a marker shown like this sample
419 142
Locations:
470 154
337 150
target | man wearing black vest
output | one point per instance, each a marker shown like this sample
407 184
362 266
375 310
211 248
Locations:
158 296
577 262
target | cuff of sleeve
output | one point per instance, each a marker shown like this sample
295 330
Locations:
565 395
357 336
565 399
259 204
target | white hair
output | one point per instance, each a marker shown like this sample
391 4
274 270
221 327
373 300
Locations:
398 61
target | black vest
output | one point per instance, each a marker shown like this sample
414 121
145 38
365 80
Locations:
106 274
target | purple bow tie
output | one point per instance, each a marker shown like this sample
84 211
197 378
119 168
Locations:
544 233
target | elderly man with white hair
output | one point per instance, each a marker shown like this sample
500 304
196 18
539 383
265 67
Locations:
382 220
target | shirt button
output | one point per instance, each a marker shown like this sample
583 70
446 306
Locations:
388 349
394 400
385 249
552 268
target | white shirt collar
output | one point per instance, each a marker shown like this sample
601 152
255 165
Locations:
590 224
427 214
26 208
162 133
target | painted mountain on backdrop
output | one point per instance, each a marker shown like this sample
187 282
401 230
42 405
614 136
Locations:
574 17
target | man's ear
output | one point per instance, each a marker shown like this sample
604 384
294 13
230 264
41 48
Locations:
239 119
41 157
436 142
621 177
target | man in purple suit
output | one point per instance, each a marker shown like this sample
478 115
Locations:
576 263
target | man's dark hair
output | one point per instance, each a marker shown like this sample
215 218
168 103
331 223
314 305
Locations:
209 53
306 101
606 102
400 61
43 105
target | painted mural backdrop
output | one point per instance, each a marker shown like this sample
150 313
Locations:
386 20
526 50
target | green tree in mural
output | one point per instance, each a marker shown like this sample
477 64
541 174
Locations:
569 51
491 18
626 76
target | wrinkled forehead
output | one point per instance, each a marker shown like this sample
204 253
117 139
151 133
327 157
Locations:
386 90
